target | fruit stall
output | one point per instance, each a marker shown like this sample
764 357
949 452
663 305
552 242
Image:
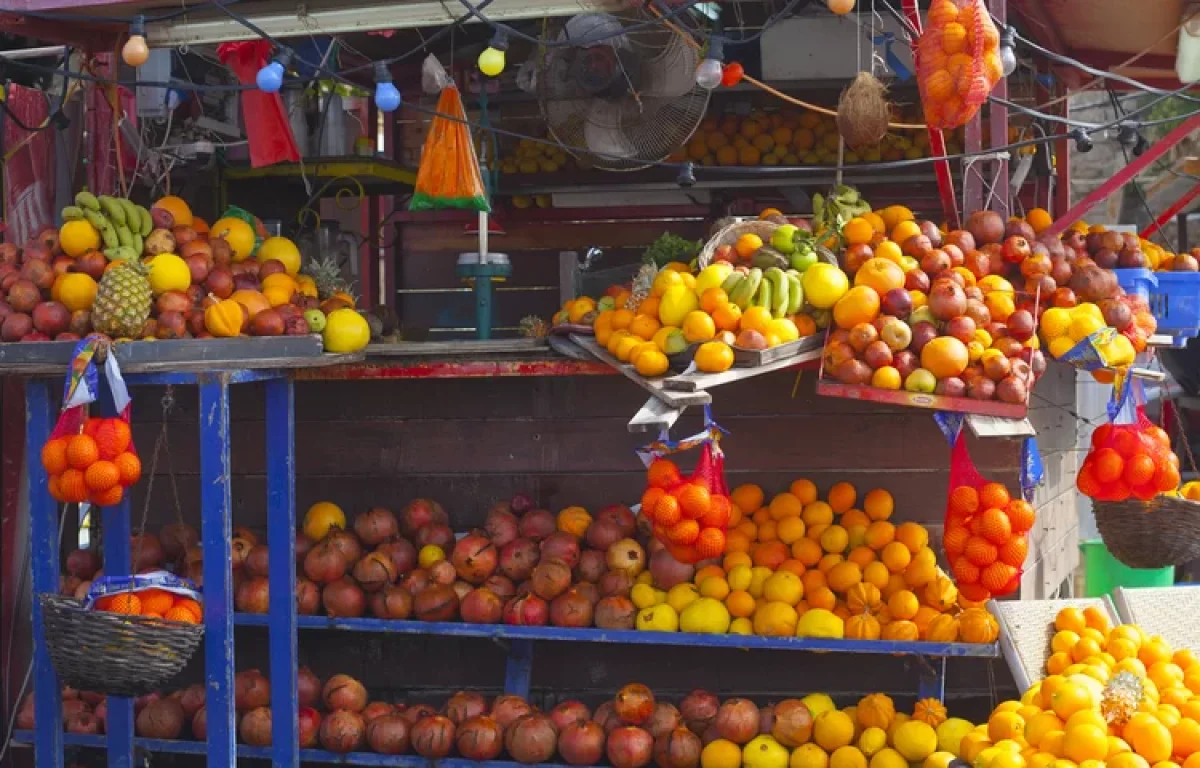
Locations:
350 533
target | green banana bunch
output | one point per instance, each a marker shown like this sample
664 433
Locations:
113 210
73 213
795 292
746 289
123 225
779 291
763 297
87 200
731 282
121 252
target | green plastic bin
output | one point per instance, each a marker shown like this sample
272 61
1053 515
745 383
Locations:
1102 573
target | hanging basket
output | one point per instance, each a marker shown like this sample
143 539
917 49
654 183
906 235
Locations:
729 235
114 653
1150 534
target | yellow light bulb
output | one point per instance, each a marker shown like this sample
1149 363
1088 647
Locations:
136 52
491 62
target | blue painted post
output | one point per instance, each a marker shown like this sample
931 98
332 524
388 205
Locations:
281 533
216 533
43 537
933 678
518 668
117 562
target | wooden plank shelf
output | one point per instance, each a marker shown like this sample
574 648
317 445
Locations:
922 400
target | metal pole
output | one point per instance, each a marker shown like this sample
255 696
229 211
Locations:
1168 214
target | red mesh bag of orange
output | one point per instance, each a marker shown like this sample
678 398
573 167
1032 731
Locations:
985 530
958 61
1129 460
689 513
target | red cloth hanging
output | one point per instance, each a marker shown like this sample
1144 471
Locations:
267 128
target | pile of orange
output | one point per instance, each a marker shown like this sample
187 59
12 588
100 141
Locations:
688 518
156 603
986 539
1128 460
97 465
959 55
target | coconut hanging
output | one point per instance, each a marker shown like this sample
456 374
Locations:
862 113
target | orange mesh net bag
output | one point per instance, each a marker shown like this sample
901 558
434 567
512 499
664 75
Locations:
958 61
448 176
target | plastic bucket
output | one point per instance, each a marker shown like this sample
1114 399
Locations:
1102 573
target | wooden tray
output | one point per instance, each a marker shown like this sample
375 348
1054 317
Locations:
749 358
831 388
21 355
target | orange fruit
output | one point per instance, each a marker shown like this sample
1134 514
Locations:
667 511
101 476
878 504
879 534
726 317
714 357
710 543
644 327
903 605
771 554
54 456
785 505
740 604
964 501
112 438
993 495
713 298
994 526
895 556
650 498
694 501
860 304
718 513
996 577
1039 219
1020 515
904 230
698 326
72 486
53 489
737 542
747 244
125 602
156 601
662 473
965 572
1014 551
622 319
755 319
888 250
748 498
980 551
684 532
1107 465
1139 470
858 231
954 540
807 551
181 614
912 535
841 496
109 498
130 468
82 451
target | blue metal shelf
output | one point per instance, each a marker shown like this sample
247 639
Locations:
634 637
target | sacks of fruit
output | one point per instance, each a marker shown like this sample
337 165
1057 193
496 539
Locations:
986 530
958 61
87 458
157 594
1130 459
689 514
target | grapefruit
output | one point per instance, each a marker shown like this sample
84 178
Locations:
944 357
237 233
859 305
282 250
881 274
181 213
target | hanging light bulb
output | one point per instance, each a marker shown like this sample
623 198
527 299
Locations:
1083 142
387 98
708 74
491 61
1008 51
270 77
136 52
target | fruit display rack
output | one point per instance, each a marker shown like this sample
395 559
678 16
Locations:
281 621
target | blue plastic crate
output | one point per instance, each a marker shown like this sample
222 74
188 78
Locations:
1176 305
1137 282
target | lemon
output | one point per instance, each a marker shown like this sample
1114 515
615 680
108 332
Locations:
784 587
937 760
824 284
705 615
1055 322
712 276
775 620
784 328
1007 758
833 729
321 517
1061 346
1084 325
818 704
808 756
740 576
741 627
681 596
644 595
666 278
847 757
345 331
758 578
720 753
658 618
430 555
818 622
675 304
915 740
888 758
950 733
764 752
1005 725
872 740
168 272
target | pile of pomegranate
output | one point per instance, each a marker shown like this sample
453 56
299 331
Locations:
631 730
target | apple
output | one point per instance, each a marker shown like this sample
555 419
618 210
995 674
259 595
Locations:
961 328
1016 249
606 303
921 315
802 260
951 387
862 335
920 380
877 354
922 334
916 280
905 362
783 238
897 335
725 253
897 302
315 319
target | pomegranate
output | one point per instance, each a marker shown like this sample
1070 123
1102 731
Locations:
766 719
626 556
793 723
437 602
737 720
465 705
986 227
433 737
568 712
146 551
501 586
374 571
436 534
200 725
581 743
591 566
310 727
521 503
668 571
677 748
666 718
550 579
416 581
482 606
571 609
253 596
343 598
192 699
376 525
83 723
699 710
250 690
324 564
402 554
462 589
83 563
947 300
346 544
388 734
479 738
616 583
562 546
308 597
634 704
474 558
72 707
621 515
526 610
602 534
417 712
531 739
394 602
442 572
501 526
421 512
537 525
255 728
239 550
161 719
518 559
507 709
344 692
606 717
25 714
629 747
257 561
343 731
308 687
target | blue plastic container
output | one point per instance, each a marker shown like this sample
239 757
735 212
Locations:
1137 282
1175 303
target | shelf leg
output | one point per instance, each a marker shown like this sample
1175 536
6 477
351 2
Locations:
933 679
518 669
43 537
216 532
117 561
281 532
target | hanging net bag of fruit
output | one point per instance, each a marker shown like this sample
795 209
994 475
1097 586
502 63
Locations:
690 514
986 530
449 174
958 61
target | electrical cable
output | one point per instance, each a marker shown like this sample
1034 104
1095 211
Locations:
589 40
424 44
91 19
1137 188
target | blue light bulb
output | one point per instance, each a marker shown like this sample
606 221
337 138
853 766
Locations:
387 98
270 78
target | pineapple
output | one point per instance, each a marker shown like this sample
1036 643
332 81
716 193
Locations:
1121 698
643 282
327 274
534 327
123 300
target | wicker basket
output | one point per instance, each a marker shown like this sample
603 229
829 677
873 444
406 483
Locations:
1150 534
764 229
114 653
